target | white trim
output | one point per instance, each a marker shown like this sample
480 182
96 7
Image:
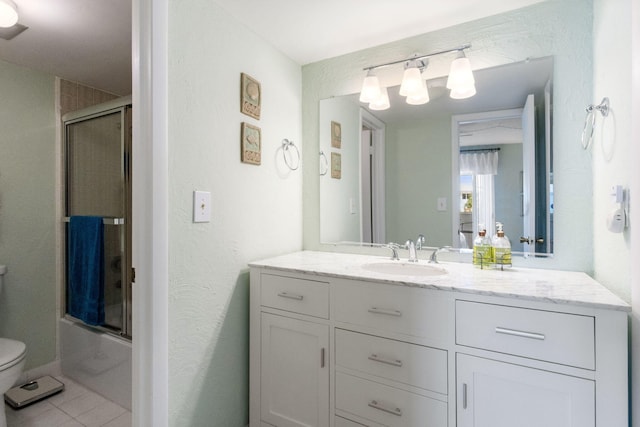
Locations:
634 229
378 172
150 213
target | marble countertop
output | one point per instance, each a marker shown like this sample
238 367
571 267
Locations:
555 286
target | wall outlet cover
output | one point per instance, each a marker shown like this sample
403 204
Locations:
201 206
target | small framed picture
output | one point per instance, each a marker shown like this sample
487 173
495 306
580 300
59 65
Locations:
250 96
336 165
250 145
336 135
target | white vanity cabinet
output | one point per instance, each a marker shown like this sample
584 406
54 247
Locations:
293 344
499 394
494 393
337 346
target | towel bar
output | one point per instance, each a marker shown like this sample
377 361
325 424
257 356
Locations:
106 221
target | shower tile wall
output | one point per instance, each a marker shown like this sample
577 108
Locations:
75 96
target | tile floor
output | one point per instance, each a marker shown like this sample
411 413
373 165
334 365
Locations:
76 406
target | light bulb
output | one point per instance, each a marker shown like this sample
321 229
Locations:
382 103
463 92
460 74
8 13
422 97
370 88
411 82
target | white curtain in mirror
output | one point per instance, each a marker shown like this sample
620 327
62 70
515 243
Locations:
483 166
479 163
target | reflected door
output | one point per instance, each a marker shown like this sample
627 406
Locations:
529 175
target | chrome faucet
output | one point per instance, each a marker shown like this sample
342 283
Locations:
413 256
394 250
415 247
434 255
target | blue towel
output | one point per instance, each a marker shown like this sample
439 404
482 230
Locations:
85 275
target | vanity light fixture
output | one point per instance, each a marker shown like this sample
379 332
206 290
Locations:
8 14
461 81
421 96
414 86
370 88
412 78
382 103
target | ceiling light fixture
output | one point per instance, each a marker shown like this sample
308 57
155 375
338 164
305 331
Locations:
8 13
414 86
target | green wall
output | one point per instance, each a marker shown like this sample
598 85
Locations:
27 211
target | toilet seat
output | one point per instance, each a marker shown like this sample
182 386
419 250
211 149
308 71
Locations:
11 353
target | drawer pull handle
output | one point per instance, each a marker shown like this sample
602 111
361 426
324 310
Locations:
464 395
516 333
386 311
380 407
377 358
291 296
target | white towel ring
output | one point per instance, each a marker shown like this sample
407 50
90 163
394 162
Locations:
324 162
286 145
590 121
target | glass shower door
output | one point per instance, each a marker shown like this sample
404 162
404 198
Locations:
97 184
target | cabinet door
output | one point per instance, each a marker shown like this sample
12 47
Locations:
294 372
497 394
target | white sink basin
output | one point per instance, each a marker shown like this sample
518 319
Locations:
404 269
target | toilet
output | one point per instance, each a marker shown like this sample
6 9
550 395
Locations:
12 358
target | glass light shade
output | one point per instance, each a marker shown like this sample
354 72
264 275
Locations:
421 98
460 74
463 92
370 88
411 82
382 103
8 13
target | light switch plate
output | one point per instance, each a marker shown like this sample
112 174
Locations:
442 204
201 206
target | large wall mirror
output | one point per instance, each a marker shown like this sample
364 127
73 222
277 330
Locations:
419 194
420 168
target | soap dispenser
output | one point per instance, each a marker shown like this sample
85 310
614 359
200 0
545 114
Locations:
482 256
501 247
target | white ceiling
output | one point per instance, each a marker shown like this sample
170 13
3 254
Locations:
310 30
89 41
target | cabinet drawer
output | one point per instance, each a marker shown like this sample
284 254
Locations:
411 364
343 422
568 339
296 295
407 310
387 405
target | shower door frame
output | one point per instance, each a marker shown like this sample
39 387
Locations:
124 107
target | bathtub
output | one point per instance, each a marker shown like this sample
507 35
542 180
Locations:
97 360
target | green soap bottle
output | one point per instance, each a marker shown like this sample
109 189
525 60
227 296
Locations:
501 248
482 254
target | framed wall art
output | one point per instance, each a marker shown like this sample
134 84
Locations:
250 96
336 165
336 135
250 145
